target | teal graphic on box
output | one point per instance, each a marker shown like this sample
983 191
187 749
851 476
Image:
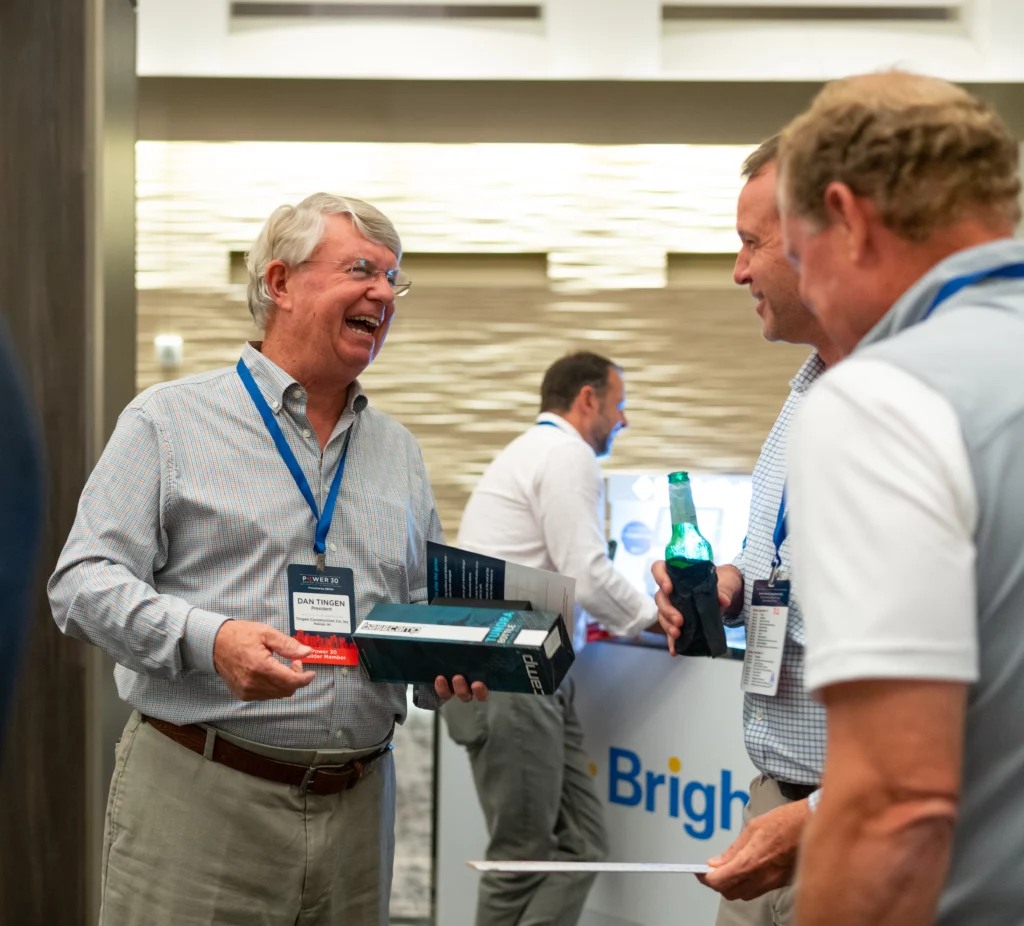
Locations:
518 651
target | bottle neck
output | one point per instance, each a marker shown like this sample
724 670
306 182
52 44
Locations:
680 504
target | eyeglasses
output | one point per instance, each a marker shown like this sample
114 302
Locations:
363 271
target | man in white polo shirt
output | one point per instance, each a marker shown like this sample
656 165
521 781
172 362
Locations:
541 503
899 199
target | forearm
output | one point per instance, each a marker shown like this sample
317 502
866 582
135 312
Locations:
608 597
883 867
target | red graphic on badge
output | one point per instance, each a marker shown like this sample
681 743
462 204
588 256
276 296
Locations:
329 649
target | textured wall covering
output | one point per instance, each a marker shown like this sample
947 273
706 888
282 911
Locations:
462 364
605 215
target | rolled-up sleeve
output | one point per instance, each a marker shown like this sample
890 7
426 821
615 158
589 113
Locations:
570 506
102 590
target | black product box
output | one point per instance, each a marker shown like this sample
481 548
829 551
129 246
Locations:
517 651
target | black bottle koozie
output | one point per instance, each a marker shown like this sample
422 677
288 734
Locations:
695 596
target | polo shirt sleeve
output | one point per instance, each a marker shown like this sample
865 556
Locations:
883 512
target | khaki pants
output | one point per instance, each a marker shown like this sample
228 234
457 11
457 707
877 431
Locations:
189 842
539 802
776 907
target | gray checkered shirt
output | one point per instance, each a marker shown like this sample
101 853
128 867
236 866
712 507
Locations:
191 518
785 734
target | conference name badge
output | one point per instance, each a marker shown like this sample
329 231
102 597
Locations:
321 613
766 636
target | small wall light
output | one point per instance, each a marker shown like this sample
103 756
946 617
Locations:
169 350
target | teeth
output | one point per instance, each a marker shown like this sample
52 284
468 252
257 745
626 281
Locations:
369 319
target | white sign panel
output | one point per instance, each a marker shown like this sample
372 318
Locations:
665 740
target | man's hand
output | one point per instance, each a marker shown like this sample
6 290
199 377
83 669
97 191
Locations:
460 689
763 857
730 596
243 655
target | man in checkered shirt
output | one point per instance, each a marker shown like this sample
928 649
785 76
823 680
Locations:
785 733
248 787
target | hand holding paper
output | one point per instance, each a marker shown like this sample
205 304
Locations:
763 857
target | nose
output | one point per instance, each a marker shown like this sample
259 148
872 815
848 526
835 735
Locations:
741 271
380 290
623 423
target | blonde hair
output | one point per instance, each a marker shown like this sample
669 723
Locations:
292 233
926 152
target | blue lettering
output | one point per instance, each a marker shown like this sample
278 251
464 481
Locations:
632 785
728 796
653 783
707 812
616 775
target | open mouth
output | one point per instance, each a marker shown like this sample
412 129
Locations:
364 324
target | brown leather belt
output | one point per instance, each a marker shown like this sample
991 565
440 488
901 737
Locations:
321 779
794 792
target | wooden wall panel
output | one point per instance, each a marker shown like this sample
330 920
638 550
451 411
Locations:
67 293
43 292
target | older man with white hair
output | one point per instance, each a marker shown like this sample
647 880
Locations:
248 787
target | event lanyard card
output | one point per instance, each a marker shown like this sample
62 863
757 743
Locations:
321 612
766 637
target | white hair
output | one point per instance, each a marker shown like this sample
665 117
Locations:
292 233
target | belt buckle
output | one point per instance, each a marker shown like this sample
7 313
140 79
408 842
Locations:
307 780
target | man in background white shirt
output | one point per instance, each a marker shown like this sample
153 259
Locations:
541 503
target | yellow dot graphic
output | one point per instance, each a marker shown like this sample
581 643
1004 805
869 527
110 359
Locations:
674 765
593 769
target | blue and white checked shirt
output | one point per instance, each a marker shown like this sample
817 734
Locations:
191 518
784 734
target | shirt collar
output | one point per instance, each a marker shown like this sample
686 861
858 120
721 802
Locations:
914 304
559 422
279 387
813 367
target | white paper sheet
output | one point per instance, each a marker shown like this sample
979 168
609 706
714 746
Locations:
546 591
648 867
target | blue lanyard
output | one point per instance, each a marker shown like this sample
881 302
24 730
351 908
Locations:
952 287
781 531
323 521
548 424
949 289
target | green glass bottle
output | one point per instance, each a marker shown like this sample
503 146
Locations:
687 545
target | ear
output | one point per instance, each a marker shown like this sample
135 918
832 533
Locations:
851 215
278 276
584 401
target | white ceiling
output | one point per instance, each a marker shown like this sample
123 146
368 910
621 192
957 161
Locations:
586 39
